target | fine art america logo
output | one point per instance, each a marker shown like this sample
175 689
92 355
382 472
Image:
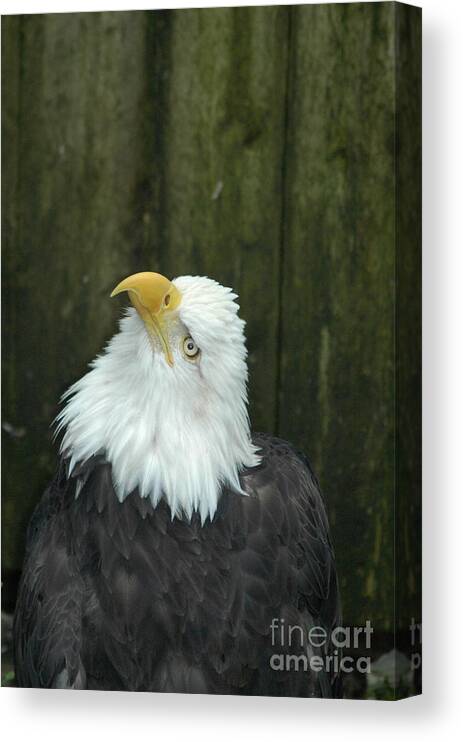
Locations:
298 648
314 649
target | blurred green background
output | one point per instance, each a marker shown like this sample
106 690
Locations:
274 149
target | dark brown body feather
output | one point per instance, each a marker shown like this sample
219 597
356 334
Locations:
119 596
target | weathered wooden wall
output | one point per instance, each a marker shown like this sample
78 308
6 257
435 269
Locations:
337 375
255 145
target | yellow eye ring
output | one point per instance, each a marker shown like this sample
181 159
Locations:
190 348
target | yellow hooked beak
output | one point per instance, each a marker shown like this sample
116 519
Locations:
155 298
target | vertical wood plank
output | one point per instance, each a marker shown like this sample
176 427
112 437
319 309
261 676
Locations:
220 177
337 362
74 123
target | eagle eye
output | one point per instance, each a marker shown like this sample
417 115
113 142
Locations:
190 348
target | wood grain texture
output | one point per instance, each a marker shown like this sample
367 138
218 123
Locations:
337 322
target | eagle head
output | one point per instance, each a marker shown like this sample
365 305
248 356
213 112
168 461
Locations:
166 403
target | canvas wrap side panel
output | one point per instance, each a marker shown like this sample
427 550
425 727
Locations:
408 336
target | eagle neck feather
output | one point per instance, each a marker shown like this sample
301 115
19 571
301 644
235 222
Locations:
165 435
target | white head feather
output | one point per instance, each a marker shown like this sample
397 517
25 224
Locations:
179 432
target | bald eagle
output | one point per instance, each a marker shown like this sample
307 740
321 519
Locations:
174 550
